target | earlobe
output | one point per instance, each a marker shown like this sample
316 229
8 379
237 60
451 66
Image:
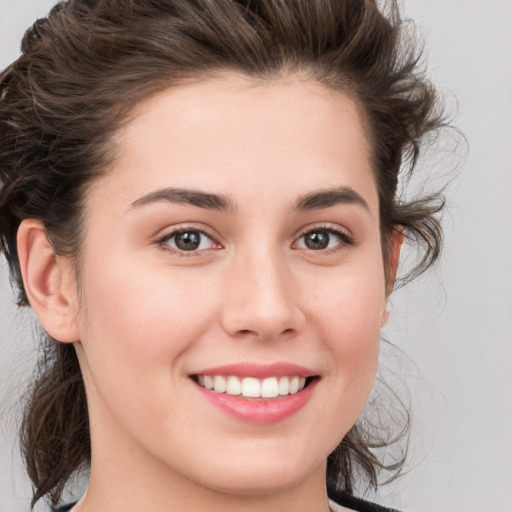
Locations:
47 282
385 317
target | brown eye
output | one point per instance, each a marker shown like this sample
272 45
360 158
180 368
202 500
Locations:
317 240
188 241
323 239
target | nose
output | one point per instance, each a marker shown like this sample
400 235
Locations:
261 299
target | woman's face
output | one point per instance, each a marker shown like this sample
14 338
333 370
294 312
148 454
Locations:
234 243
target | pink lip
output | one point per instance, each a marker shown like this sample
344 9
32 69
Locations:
264 412
259 371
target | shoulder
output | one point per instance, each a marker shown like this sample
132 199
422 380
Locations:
341 501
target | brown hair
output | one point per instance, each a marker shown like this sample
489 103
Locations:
82 70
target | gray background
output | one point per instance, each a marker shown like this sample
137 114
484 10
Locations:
454 326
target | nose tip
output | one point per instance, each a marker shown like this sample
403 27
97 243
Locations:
262 303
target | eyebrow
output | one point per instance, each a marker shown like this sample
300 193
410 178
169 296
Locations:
313 201
330 197
189 197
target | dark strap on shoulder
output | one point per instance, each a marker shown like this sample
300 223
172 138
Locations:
65 508
357 504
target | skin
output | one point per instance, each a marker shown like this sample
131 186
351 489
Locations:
149 315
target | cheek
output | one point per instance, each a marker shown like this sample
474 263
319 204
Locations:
354 344
138 328
139 298
349 316
137 321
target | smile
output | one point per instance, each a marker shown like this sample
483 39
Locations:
251 387
256 393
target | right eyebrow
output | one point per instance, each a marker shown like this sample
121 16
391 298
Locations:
206 200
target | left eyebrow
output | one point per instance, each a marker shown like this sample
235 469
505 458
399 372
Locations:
330 197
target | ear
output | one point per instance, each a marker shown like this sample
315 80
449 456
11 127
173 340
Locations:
49 282
396 239
395 242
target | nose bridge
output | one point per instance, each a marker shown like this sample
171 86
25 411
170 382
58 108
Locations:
261 297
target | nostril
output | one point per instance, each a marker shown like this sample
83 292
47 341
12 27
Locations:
263 336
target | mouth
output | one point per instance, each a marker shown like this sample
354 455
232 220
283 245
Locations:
252 388
257 394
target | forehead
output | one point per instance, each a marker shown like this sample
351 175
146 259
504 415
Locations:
290 133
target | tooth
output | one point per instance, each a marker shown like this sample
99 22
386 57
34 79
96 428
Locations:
294 385
219 384
269 388
284 385
251 387
234 386
208 382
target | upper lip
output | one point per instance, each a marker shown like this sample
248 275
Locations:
259 371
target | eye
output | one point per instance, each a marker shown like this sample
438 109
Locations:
323 239
187 240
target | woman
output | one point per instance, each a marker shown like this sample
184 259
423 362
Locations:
200 205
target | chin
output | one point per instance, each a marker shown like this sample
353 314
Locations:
250 483
258 476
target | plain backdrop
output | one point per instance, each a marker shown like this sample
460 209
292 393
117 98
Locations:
453 327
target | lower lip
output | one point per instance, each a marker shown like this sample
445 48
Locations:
264 412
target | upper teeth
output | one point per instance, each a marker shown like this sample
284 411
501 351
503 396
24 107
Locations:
251 387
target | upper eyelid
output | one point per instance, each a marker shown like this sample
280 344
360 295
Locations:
334 228
345 236
170 232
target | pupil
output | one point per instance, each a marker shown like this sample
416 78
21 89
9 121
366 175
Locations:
317 240
188 240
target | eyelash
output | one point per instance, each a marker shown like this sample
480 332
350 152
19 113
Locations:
163 240
345 239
